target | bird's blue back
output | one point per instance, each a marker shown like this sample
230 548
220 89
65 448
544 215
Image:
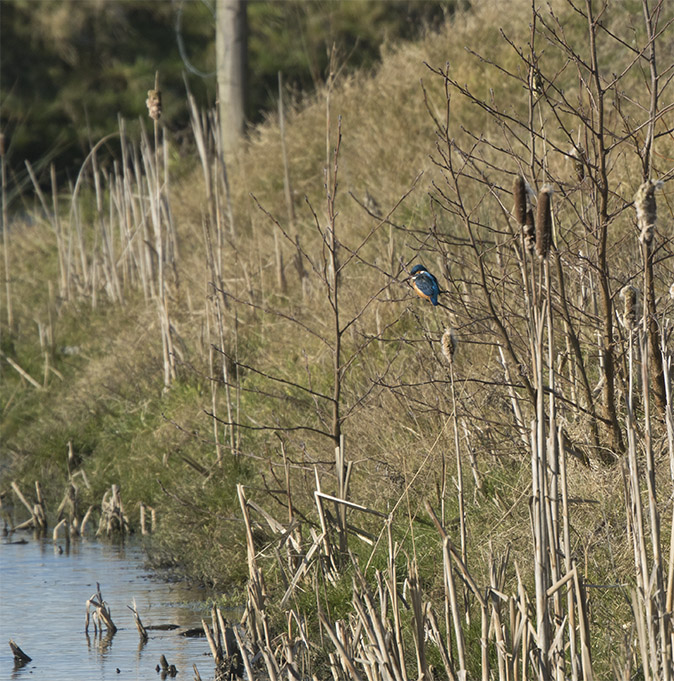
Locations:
425 284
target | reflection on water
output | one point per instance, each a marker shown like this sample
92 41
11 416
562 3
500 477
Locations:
43 594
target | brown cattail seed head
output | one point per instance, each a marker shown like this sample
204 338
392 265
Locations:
153 103
630 296
644 202
448 343
520 197
544 223
2 143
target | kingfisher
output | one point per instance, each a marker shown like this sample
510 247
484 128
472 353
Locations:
425 284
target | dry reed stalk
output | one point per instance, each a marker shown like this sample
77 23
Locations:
87 515
436 637
212 644
229 656
583 628
378 647
661 654
5 233
477 476
569 564
303 568
255 614
108 256
649 598
514 400
392 582
162 232
214 393
142 631
669 418
117 218
646 210
327 546
418 619
55 533
216 302
38 516
343 470
344 657
171 237
58 233
87 276
243 653
287 186
200 141
129 212
144 508
24 374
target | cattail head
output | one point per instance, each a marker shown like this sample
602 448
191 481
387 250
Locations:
2 143
536 81
448 344
153 103
578 157
644 202
520 198
544 222
630 296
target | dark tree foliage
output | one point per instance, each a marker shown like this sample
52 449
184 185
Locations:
70 67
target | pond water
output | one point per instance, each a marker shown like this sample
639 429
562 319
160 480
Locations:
43 593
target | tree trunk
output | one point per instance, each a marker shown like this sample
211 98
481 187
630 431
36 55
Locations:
231 41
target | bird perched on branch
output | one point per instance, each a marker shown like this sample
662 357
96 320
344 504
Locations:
425 284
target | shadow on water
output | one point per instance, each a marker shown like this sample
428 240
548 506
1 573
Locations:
45 588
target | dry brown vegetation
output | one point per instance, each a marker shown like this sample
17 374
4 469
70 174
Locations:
249 358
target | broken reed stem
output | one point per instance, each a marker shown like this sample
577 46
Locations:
101 614
38 516
20 371
19 656
142 632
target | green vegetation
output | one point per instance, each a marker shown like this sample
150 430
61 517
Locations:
235 352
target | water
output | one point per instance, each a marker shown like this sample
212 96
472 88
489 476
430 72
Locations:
43 595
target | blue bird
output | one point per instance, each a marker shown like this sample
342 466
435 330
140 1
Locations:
425 284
